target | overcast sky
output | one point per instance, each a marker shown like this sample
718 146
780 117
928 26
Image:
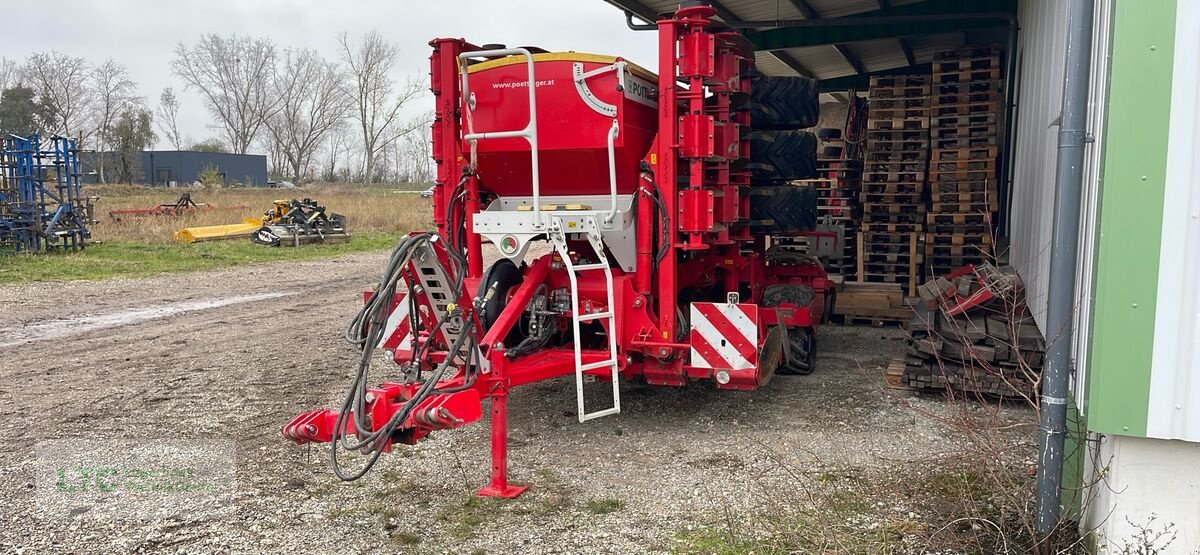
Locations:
143 34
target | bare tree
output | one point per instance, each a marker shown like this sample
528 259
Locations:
64 94
337 145
233 74
9 76
167 118
115 94
310 103
377 99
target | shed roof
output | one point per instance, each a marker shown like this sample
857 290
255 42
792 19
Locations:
893 35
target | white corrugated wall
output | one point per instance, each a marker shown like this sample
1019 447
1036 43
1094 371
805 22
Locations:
1041 51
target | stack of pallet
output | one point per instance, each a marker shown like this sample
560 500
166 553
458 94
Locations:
837 184
956 343
962 172
894 176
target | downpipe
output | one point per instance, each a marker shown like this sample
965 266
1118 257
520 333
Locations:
1068 186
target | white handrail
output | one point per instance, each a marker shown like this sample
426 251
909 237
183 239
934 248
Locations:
529 133
612 172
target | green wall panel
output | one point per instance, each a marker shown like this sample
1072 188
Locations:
1130 220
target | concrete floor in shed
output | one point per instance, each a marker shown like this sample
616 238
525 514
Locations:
234 373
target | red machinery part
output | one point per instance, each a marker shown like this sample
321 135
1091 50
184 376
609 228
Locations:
692 307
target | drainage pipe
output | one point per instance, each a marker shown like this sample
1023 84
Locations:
1064 258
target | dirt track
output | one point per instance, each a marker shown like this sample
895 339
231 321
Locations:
675 458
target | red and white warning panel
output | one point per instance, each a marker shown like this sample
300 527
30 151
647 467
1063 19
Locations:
724 336
397 332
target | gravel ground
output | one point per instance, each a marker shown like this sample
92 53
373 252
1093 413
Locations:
127 377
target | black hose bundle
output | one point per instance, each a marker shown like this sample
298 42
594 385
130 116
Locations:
366 330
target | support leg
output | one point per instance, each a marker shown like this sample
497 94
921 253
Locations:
499 487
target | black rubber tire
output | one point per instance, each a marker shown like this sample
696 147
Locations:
801 353
782 156
831 152
783 102
505 275
783 208
829 133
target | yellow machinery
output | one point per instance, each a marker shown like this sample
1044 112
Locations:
217 232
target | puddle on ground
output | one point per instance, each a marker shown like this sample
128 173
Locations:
62 327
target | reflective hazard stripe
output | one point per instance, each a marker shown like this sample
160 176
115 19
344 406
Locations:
396 329
724 336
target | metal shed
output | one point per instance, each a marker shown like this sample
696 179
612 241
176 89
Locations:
1133 321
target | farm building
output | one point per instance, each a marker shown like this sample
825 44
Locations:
182 167
1119 283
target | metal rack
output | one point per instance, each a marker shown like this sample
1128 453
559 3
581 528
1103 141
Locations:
41 206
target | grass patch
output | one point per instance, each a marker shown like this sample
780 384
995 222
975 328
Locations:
137 259
856 511
466 515
603 506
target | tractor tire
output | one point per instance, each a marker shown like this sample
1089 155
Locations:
782 156
800 358
505 277
783 103
783 209
829 133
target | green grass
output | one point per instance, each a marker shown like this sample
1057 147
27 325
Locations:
603 506
134 259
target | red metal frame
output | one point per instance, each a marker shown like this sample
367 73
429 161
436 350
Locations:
709 250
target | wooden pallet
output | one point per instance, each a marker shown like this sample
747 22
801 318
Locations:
952 107
901 112
954 99
957 239
963 131
963 186
894 177
963 207
964 142
888 198
956 176
967 75
989 51
961 229
969 153
908 273
871 302
897 124
962 164
961 197
939 218
963 120
913 164
899 81
890 227
888 105
894 208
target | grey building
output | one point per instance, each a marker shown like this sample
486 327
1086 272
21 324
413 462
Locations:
162 167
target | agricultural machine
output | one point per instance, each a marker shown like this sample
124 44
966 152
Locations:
183 205
657 269
291 222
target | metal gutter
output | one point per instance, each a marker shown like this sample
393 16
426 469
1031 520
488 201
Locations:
1064 255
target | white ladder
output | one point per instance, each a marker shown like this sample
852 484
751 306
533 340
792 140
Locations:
587 225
